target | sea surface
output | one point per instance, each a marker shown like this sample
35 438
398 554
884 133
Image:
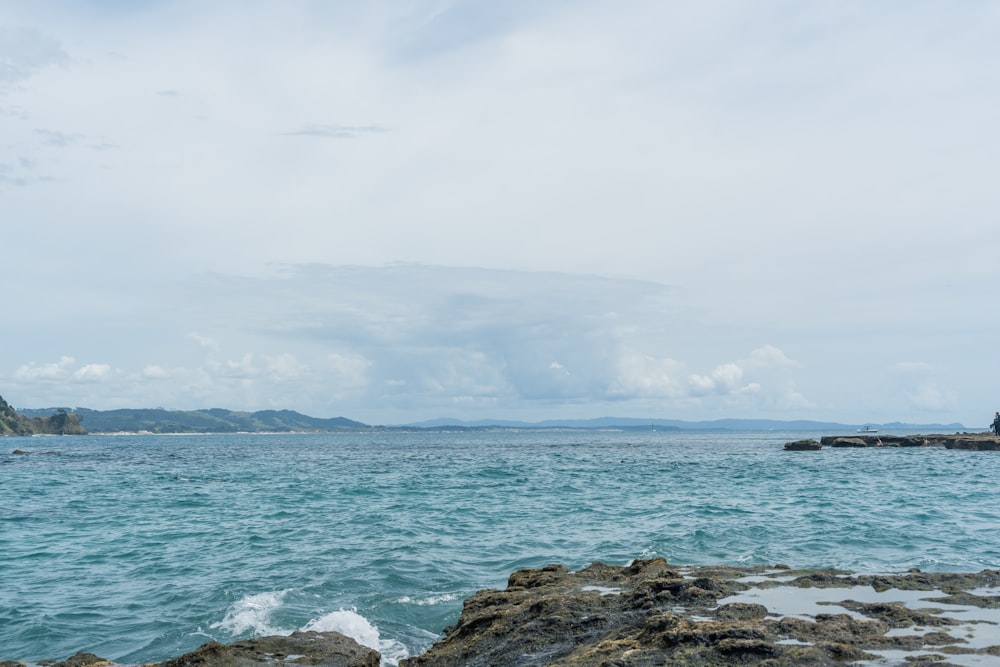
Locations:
140 548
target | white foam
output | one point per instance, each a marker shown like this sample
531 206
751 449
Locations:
253 614
352 624
347 622
603 590
428 601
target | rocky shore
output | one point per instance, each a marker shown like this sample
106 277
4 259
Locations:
971 441
320 649
651 612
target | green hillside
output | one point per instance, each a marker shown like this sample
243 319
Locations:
216 420
60 422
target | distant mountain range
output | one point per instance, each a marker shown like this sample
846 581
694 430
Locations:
630 423
218 420
215 420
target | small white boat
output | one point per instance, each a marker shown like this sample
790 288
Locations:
867 429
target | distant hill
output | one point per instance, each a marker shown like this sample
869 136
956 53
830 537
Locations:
59 422
215 420
218 420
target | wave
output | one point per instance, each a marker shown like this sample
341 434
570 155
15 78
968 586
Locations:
253 615
352 624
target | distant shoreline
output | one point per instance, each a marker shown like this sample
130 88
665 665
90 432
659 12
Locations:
219 420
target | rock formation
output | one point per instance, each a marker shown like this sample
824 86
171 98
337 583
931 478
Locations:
803 446
975 441
315 649
319 649
654 613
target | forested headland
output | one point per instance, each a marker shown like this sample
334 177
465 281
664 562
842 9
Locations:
60 423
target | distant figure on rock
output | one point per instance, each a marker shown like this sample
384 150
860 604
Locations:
996 424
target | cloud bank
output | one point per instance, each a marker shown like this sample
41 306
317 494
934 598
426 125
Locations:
813 180
405 342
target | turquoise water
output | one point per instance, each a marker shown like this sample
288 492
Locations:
139 548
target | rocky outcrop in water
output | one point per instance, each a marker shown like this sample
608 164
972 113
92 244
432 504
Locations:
875 440
974 441
803 446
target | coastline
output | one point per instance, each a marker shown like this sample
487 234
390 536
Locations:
654 612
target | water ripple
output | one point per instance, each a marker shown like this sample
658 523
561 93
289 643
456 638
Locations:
138 548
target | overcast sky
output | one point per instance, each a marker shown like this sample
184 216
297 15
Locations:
403 210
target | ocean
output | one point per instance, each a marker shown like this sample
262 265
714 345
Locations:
140 548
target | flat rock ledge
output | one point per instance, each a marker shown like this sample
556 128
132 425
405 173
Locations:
972 441
654 613
316 649
651 612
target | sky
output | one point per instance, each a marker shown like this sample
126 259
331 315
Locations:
395 211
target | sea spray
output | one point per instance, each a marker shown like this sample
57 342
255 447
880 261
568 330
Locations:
352 624
431 600
252 614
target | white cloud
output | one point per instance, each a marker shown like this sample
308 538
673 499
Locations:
929 396
242 368
50 371
770 356
642 375
336 131
206 342
92 372
154 372
913 367
724 379
25 50
767 161
350 371
284 367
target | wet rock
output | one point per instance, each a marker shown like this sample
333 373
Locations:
971 600
846 442
654 613
897 615
803 446
323 649
972 441
740 611
83 660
